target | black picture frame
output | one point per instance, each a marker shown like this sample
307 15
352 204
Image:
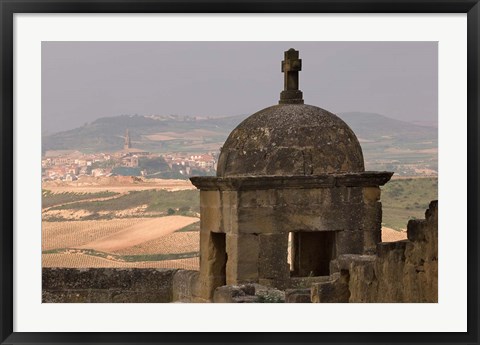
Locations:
10 7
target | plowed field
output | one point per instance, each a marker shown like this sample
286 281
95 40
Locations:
128 242
82 261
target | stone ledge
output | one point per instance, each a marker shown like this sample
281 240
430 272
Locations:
363 179
385 249
418 230
344 261
335 290
185 285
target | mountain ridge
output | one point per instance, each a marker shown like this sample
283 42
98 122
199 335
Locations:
387 144
106 133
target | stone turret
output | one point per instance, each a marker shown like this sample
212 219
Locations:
127 144
291 195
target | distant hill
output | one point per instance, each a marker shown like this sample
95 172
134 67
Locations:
375 127
386 142
393 145
159 134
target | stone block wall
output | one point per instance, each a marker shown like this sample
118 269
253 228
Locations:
246 223
107 285
402 271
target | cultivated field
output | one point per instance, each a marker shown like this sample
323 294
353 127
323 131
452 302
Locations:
120 222
174 243
84 261
194 134
137 234
390 235
57 235
131 242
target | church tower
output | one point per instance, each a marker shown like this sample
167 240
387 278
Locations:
127 145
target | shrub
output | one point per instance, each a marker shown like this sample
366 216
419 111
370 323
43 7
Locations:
270 296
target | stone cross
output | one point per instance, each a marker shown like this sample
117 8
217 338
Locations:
290 67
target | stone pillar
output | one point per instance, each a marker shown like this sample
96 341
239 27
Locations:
212 244
273 268
243 253
210 210
349 242
372 221
213 259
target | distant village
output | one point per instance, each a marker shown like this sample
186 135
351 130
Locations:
68 165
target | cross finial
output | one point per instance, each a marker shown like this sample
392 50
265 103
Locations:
290 67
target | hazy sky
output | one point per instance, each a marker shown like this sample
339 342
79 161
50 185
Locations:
82 81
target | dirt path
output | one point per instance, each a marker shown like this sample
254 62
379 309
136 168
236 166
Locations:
92 185
139 233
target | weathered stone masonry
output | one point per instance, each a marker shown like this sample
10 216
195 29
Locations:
402 271
107 285
245 223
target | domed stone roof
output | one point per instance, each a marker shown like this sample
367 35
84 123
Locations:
290 139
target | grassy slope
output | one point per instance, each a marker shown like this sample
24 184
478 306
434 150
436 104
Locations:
51 199
126 258
157 200
407 199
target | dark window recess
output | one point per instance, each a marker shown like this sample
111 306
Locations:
311 253
220 257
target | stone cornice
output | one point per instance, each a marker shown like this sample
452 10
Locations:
363 179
